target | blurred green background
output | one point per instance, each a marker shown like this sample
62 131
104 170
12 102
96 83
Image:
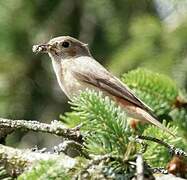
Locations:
122 35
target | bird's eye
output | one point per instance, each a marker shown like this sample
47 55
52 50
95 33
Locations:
65 44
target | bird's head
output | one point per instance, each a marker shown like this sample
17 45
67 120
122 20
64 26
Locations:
63 47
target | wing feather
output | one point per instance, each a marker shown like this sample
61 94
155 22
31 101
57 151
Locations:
113 86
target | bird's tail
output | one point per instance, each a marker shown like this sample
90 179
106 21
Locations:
153 120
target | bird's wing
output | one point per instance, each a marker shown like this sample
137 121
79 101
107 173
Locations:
110 84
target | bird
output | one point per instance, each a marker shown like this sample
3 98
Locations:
77 70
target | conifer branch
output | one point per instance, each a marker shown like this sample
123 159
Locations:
55 127
71 148
173 150
159 170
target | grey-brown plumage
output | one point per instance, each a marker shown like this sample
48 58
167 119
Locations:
76 70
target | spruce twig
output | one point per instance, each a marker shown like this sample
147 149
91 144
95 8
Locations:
139 167
55 127
173 150
70 148
159 170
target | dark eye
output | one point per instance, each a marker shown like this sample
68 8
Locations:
65 44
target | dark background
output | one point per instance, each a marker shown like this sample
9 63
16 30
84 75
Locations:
122 35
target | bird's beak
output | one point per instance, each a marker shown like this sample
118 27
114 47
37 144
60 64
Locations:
44 48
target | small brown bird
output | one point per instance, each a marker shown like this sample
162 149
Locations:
76 70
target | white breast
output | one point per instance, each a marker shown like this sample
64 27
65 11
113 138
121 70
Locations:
68 83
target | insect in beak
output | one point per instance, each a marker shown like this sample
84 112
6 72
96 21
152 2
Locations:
44 48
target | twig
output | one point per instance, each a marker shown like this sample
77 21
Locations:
70 148
139 167
143 145
55 127
159 170
173 150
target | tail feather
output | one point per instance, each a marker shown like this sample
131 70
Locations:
151 119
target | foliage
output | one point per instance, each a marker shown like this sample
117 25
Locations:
157 91
157 155
45 170
108 129
4 175
180 117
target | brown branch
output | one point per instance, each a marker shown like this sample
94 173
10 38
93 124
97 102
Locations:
55 127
